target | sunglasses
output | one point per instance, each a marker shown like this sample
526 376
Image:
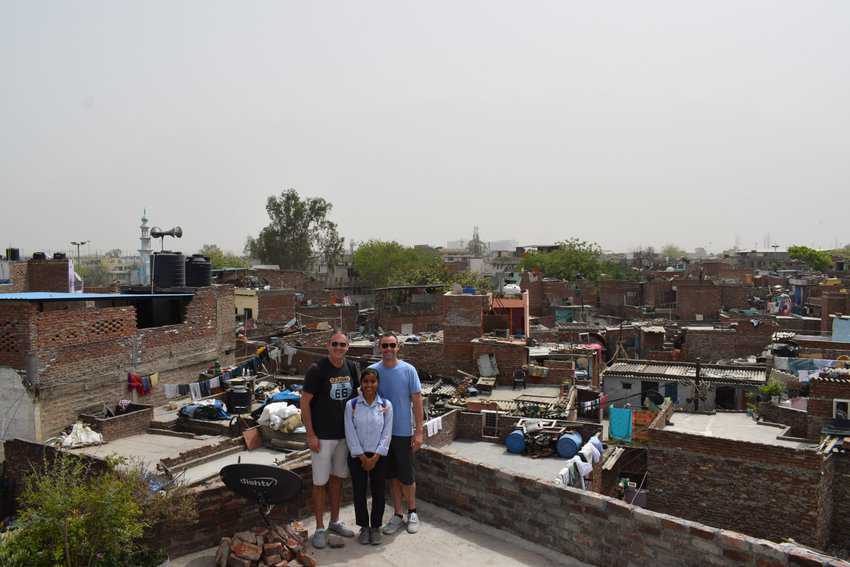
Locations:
338 344
389 345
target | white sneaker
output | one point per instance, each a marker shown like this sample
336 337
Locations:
395 524
412 523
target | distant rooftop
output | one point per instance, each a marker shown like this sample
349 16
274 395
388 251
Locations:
733 426
65 296
676 371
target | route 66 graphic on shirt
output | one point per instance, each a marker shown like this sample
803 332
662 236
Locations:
341 388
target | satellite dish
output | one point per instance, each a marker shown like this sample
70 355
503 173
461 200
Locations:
655 397
264 483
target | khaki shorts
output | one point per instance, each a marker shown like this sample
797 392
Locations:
332 459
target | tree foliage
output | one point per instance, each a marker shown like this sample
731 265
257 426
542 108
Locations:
96 274
221 259
817 260
379 263
74 516
299 231
573 259
672 252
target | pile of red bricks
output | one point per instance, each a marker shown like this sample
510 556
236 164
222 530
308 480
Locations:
263 547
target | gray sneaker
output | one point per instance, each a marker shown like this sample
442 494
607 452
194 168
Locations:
412 523
365 536
377 537
319 539
339 528
395 524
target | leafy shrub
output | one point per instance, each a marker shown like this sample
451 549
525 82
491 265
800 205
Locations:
73 516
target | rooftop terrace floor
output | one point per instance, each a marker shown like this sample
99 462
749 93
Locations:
444 538
734 426
496 456
148 447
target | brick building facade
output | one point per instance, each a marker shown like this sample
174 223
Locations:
67 360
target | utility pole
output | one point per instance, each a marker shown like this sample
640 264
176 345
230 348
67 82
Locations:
696 385
78 244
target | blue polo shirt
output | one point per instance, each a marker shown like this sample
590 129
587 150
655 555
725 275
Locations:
398 384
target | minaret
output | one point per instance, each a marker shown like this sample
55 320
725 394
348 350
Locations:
145 250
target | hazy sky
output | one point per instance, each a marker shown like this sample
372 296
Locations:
627 123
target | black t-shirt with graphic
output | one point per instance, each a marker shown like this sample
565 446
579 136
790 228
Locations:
331 387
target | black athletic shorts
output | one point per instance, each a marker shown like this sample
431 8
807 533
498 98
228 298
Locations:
400 460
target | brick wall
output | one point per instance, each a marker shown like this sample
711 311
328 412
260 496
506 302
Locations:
47 275
329 313
83 356
275 306
658 293
283 279
421 321
694 299
650 342
509 357
464 321
590 527
735 296
710 345
314 291
613 294
840 532
752 340
822 394
428 357
797 420
761 490
18 276
533 283
557 292
135 422
832 303
15 332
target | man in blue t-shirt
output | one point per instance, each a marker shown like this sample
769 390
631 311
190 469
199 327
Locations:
400 385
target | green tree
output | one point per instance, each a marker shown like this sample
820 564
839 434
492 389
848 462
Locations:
672 252
298 232
379 263
221 259
817 260
573 258
74 516
96 274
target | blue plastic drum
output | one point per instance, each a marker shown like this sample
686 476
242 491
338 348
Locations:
515 442
569 444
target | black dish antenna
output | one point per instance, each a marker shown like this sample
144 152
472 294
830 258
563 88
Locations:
265 484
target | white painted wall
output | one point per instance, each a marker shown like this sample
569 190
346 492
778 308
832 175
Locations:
17 410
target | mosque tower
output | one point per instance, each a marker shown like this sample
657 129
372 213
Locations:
145 250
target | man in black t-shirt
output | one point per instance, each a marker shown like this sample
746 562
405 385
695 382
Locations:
328 385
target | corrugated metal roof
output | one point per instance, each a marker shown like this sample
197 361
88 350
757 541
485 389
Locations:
673 372
60 296
507 303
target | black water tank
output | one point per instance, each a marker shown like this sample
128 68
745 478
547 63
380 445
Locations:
13 254
59 256
238 400
198 271
168 269
39 256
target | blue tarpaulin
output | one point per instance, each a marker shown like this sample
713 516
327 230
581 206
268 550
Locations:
620 423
